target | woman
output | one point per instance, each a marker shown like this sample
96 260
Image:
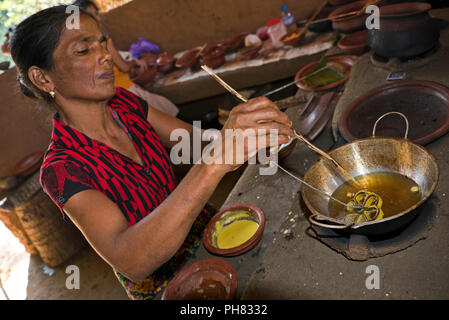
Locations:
106 167
122 68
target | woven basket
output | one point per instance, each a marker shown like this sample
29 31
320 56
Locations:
36 219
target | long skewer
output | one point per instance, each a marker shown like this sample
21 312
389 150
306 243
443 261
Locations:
297 136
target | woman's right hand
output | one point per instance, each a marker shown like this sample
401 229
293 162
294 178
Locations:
248 124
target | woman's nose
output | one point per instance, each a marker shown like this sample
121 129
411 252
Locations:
105 55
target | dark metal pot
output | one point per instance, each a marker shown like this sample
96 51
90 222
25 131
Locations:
369 155
406 30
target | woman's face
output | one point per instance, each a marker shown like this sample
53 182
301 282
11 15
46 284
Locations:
83 68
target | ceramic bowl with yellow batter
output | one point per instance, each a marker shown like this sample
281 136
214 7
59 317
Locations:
234 230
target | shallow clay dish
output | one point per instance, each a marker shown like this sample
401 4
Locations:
424 103
207 279
255 214
347 61
28 165
354 43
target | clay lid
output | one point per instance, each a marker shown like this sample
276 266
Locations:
256 214
424 103
404 9
206 279
29 164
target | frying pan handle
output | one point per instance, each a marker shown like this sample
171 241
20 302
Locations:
313 219
388 113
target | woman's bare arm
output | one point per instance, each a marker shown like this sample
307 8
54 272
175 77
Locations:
139 250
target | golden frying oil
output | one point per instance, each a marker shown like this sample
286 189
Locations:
236 233
398 193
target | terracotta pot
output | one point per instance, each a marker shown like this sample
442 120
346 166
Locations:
406 30
256 214
287 150
144 79
165 62
4 65
354 43
347 61
213 56
351 23
189 59
28 165
234 43
187 283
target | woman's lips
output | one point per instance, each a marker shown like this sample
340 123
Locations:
107 75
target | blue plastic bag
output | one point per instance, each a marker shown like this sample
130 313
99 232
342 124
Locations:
143 46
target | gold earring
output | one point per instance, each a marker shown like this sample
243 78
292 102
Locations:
52 94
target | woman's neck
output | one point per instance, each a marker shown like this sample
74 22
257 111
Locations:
93 118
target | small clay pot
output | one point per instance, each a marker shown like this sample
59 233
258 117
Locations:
354 43
189 59
165 62
255 212
213 56
234 43
4 65
287 150
143 78
351 23
190 279
28 165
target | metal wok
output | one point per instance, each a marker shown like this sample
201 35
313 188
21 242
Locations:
364 156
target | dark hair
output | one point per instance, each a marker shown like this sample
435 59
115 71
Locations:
84 4
33 43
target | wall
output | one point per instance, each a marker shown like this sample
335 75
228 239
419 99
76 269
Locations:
177 25
25 126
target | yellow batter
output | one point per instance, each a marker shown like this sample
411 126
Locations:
236 233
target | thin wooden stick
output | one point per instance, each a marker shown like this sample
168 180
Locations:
224 84
343 15
297 136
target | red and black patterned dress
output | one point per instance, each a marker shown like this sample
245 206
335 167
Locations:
74 163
